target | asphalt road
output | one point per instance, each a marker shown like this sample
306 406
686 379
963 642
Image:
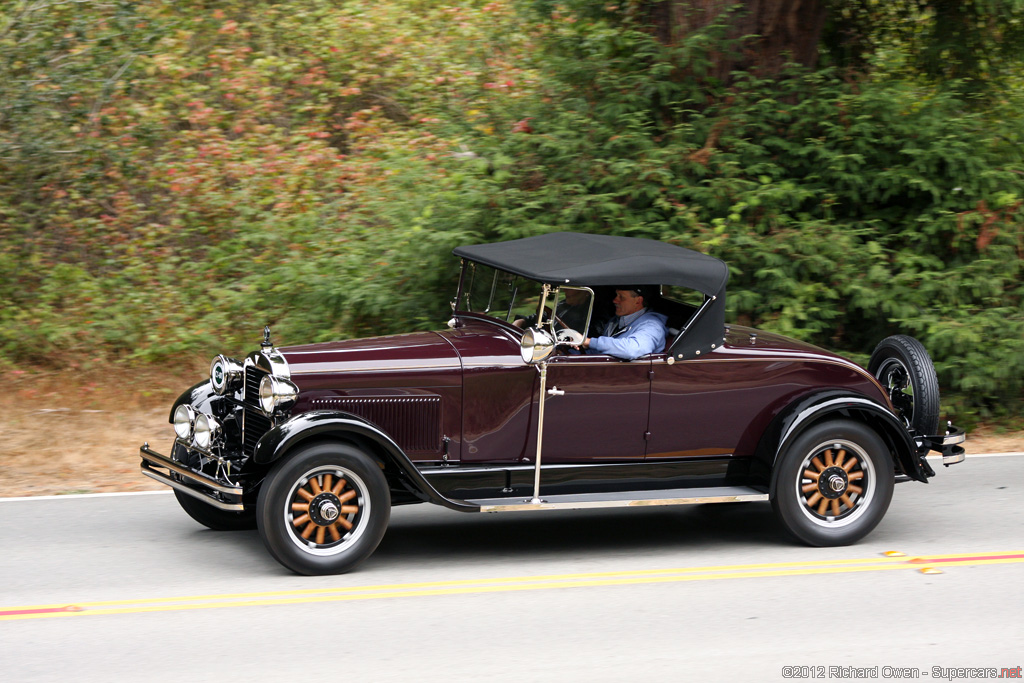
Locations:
696 593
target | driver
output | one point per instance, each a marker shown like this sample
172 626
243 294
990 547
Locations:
635 331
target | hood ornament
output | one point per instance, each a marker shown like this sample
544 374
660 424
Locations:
267 344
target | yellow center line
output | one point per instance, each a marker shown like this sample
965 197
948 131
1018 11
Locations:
498 585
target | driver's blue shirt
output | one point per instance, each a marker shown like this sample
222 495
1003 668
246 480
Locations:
632 336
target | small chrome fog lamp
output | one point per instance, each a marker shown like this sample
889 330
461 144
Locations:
184 420
277 393
536 345
206 431
226 374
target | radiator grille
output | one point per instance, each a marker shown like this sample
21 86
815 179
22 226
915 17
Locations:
256 424
414 422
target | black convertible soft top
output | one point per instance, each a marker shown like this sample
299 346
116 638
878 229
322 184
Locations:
575 258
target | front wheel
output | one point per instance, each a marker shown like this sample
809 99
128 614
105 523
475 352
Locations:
324 509
833 483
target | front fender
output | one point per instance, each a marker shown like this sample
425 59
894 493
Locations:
789 424
282 438
199 396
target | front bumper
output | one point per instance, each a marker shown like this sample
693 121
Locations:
190 482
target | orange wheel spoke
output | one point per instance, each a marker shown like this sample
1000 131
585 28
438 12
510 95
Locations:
338 487
854 476
305 495
846 501
811 474
327 482
345 523
807 488
828 458
333 531
348 509
822 505
300 507
848 465
315 485
817 463
308 531
814 499
855 489
347 496
835 507
299 521
320 531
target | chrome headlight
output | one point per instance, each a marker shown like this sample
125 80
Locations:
277 393
206 430
226 374
184 420
536 345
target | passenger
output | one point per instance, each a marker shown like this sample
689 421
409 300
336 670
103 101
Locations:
636 331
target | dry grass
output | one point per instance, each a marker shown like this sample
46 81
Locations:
80 432
75 432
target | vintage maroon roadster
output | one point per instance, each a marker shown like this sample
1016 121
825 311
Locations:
501 412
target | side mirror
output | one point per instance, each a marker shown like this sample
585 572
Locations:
536 345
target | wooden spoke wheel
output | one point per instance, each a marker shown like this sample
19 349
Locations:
836 482
324 509
327 509
833 483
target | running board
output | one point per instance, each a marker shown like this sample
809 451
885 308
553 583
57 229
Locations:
582 501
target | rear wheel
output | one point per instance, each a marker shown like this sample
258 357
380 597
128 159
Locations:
324 509
833 483
903 368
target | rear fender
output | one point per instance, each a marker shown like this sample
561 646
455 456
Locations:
803 414
283 438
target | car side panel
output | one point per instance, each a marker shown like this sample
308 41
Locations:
721 405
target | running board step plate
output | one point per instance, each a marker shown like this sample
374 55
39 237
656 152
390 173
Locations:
582 501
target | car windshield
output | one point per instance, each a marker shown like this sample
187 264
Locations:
498 293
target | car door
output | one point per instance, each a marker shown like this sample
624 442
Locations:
602 414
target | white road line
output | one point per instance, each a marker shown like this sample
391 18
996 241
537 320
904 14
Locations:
88 495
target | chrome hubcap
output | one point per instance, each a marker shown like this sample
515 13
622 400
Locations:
328 511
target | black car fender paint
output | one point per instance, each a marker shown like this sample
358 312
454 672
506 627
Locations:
800 415
285 436
200 396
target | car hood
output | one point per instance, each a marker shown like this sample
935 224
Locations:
417 350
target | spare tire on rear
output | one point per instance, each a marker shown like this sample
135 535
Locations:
903 368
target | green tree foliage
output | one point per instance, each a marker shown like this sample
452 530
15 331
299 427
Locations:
176 175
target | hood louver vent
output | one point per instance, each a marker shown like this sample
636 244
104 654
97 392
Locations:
414 422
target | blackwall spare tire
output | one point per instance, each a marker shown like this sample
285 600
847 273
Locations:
905 371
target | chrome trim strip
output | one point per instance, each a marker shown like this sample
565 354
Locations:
151 457
953 439
348 367
954 458
638 499
164 479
